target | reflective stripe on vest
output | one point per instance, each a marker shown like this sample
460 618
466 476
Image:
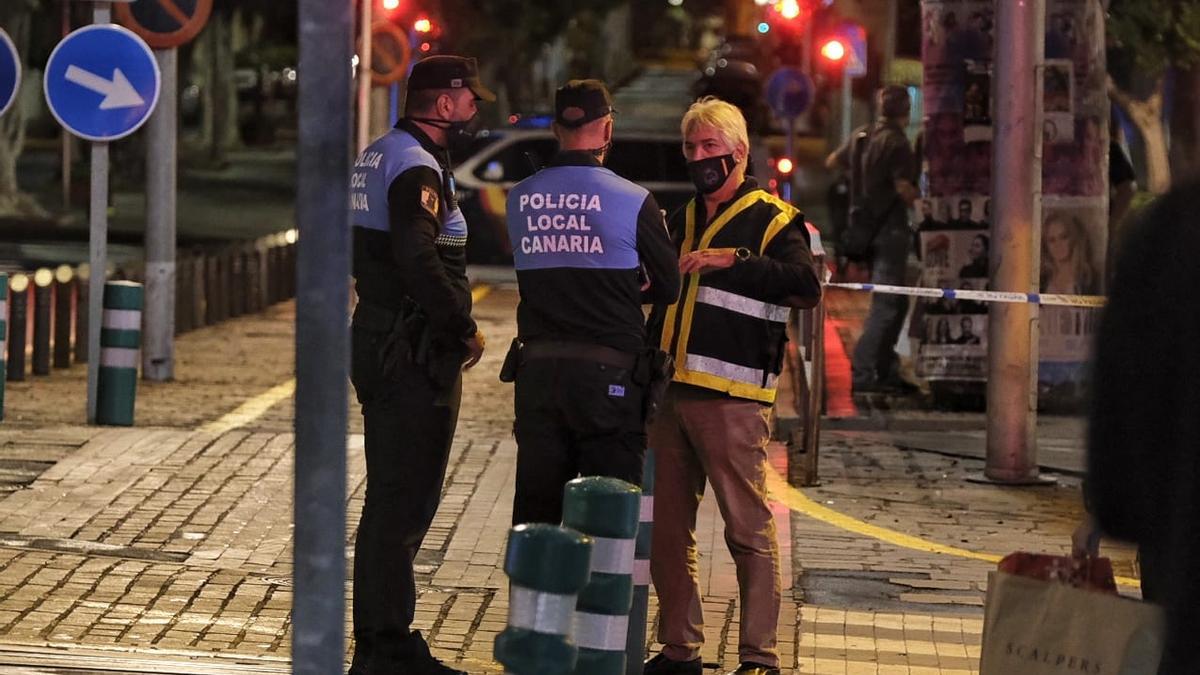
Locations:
705 370
374 170
742 305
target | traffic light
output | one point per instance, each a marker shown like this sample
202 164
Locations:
784 166
833 51
423 25
391 5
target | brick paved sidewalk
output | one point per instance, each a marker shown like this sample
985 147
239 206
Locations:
167 547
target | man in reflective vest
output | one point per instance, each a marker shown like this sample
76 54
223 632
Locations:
589 248
746 262
411 337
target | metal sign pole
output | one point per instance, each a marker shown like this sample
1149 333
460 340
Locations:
364 78
67 140
847 102
790 152
158 350
1016 190
98 246
322 337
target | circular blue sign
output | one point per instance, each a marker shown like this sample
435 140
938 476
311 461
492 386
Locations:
789 92
10 72
102 82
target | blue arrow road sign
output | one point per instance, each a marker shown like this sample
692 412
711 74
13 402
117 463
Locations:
102 82
789 92
10 72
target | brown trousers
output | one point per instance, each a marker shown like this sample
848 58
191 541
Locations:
723 440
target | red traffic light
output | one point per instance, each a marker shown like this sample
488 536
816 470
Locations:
391 5
833 50
423 25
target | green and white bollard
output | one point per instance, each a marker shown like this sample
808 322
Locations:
605 509
635 640
547 566
120 340
3 337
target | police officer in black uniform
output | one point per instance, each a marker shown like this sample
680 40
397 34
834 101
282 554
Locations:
589 248
412 336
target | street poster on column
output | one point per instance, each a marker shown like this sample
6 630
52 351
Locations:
958 49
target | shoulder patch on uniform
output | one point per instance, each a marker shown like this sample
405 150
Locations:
429 199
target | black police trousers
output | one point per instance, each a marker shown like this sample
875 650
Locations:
573 418
407 446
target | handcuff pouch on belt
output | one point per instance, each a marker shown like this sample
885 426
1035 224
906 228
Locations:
653 371
508 371
408 338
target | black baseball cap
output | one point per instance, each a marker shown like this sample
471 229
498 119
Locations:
449 72
581 101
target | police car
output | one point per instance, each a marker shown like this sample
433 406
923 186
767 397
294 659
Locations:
499 159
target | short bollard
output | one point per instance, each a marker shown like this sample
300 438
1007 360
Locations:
41 320
63 296
253 275
3 336
120 340
199 291
605 509
212 288
546 566
635 640
237 283
183 296
82 279
18 323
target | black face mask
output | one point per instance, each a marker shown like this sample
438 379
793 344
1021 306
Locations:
459 133
601 153
710 173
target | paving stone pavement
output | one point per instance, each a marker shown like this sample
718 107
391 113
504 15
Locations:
169 544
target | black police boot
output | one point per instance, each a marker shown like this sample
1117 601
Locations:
752 668
424 663
661 665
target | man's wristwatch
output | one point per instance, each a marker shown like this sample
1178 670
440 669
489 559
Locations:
741 254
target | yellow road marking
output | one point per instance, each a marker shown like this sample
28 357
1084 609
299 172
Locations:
250 410
480 292
257 406
799 502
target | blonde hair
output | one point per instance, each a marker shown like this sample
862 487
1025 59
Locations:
720 115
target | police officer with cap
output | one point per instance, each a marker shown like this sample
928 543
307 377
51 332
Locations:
589 248
412 335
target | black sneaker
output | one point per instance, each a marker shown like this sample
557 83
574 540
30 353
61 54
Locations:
752 668
661 665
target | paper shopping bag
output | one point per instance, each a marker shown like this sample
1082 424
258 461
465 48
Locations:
1035 627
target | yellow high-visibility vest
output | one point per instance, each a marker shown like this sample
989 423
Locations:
722 339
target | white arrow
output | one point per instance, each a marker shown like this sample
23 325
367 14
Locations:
118 93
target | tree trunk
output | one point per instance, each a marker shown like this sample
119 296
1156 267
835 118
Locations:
1185 125
1147 116
16 19
224 89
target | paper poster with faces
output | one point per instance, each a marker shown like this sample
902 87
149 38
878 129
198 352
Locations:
1058 101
